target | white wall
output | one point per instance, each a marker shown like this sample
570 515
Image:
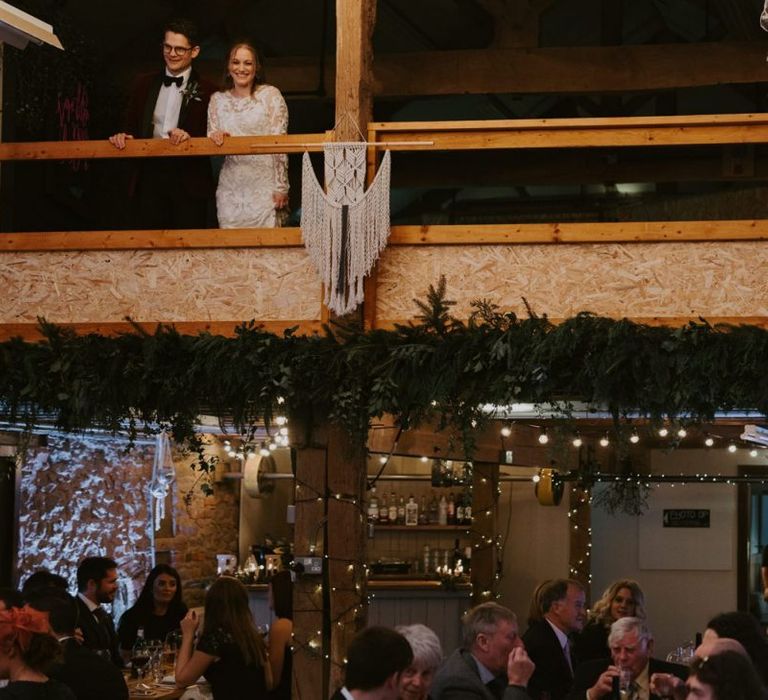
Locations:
680 600
536 546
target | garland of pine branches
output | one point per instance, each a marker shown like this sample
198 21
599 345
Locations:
437 367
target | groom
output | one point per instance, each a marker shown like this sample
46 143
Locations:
173 105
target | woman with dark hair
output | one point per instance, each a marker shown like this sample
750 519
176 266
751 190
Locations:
622 598
230 653
726 676
746 629
27 650
158 610
253 189
280 632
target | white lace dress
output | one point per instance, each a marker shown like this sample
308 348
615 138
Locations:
246 183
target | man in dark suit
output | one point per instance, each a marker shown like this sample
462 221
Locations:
170 104
491 664
547 640
631 645
376 658
97 584
88 675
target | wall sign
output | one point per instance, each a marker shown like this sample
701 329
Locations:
686 517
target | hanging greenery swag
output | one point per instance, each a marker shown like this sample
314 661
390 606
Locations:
435 368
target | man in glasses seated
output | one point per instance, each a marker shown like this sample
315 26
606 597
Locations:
170 104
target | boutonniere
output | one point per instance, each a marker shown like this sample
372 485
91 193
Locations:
191 93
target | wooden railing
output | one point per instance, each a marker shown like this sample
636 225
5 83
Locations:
422 136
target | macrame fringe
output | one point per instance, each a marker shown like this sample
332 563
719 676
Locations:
367 224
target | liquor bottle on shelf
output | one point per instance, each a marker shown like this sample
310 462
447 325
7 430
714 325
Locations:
437 472
426 559
460 510
373 512
467 559
451 514
401 511
392 508
383 510
433 510
467 509
458 556
423 511
411 512
442 512
448 473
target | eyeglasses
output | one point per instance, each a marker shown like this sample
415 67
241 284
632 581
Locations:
178 50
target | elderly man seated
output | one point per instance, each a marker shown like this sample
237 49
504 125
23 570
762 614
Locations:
491 664
631 645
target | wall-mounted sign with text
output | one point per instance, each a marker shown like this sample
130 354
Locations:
686 517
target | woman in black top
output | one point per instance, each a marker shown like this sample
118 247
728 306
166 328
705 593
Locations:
280 634
27 649
230 653
623 598
159 609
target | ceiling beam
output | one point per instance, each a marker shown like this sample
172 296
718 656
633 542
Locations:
566 70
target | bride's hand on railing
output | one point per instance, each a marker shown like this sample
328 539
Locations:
218 137
118 140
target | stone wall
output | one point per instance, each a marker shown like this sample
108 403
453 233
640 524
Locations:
86 495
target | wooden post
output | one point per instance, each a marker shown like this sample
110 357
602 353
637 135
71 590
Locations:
346 556
310 667
485 554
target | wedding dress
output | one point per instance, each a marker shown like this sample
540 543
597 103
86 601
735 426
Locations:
246 183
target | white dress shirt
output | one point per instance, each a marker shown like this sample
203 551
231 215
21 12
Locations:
165 118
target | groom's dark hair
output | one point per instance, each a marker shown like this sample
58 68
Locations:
185 26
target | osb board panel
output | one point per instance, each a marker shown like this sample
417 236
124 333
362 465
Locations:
168 285
641 280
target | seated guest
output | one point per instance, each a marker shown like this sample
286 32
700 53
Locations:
726 676
491 663
376 659
97 584
231 653
158 610
631 645
746 629
427 655
547 641
666 685
623 598
88 675
43 579
27 649
280 634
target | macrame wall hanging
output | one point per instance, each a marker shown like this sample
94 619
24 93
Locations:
345 228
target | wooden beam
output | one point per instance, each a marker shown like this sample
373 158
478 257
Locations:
426 235
520 70
151 240
31 331
568 70
161 148
574 133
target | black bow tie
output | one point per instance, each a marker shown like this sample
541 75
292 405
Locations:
169 80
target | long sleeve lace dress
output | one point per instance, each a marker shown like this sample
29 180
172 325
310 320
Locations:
247 183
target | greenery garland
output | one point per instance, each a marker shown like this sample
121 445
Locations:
436 368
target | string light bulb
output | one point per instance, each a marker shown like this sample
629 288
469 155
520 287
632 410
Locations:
732 447
634 438
709 441
753 452
605 440
506 430
543 437
681 432
577 441
663 431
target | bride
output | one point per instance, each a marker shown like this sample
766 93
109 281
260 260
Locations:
253 190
